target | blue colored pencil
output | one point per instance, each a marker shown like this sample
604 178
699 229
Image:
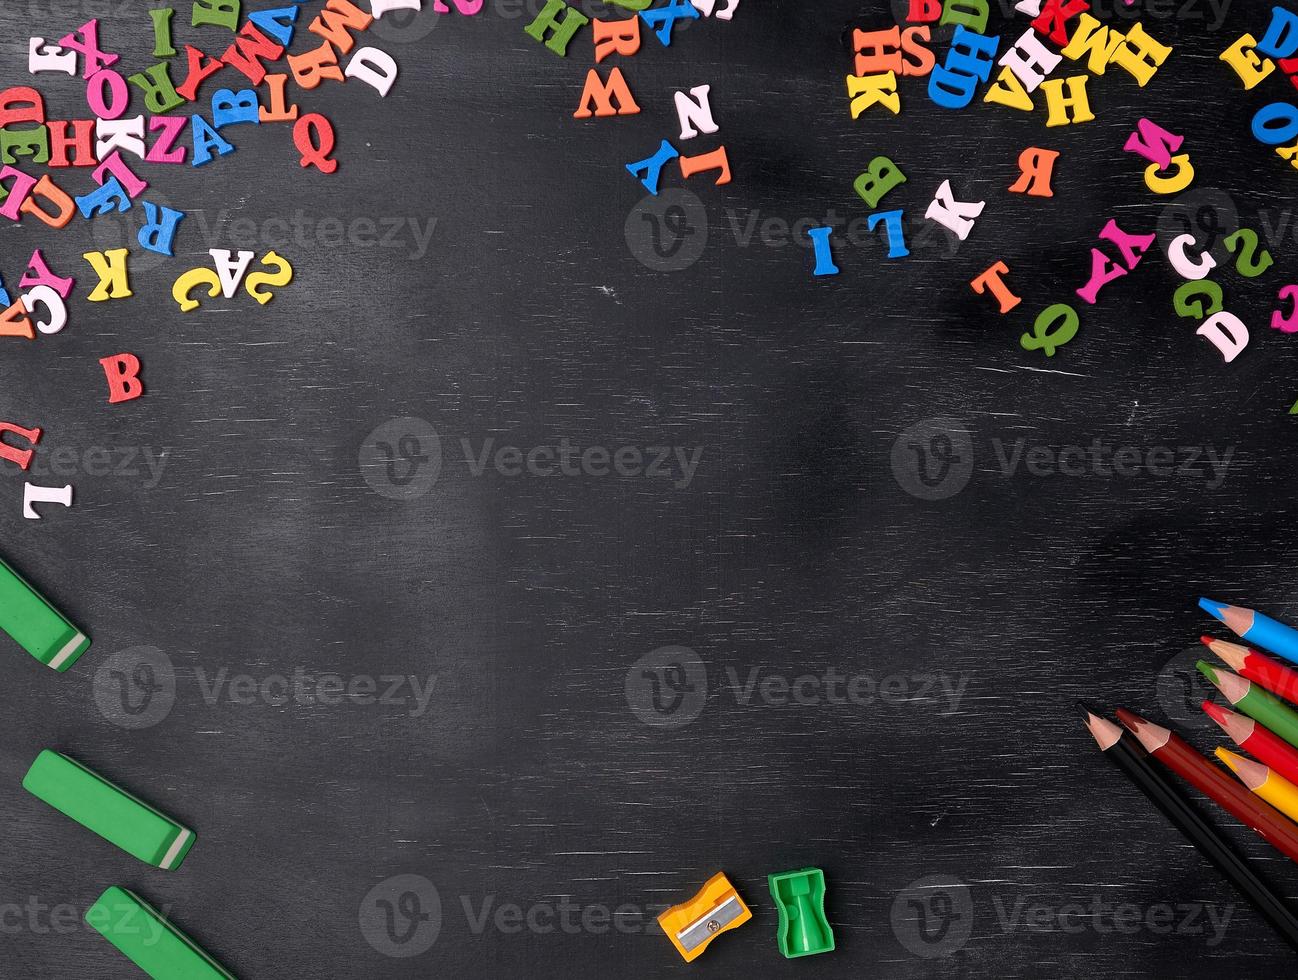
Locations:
1253 626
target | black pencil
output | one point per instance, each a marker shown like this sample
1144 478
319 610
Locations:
1120 749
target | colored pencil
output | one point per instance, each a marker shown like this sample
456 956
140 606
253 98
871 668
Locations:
1251 625
1264 781
1255 701
1124 752
1183 759
1248 663
1253 738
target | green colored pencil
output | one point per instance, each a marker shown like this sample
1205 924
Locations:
1255 701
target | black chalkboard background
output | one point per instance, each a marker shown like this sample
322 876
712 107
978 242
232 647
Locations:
963 819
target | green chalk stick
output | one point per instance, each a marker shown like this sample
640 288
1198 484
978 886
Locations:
108 810
36 626
149 941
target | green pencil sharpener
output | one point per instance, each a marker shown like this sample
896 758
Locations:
800 897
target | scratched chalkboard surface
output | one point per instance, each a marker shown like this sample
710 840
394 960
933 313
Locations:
545 548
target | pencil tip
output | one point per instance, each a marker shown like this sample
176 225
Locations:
1214 711
1105 732
1212 607
1207 670
1152 737
1129 718
1227 756
1252 774
1206 640
1231 685
1238 727
1231 654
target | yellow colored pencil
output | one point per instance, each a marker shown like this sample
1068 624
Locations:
1264 781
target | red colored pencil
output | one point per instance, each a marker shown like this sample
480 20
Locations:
1183 759
1247 662
1261 743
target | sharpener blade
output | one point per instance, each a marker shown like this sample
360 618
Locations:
694 935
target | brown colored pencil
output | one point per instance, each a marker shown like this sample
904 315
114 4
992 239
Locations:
1122 750
1183 759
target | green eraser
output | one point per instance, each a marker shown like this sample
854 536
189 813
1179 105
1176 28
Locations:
149 941
36 626
108 810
